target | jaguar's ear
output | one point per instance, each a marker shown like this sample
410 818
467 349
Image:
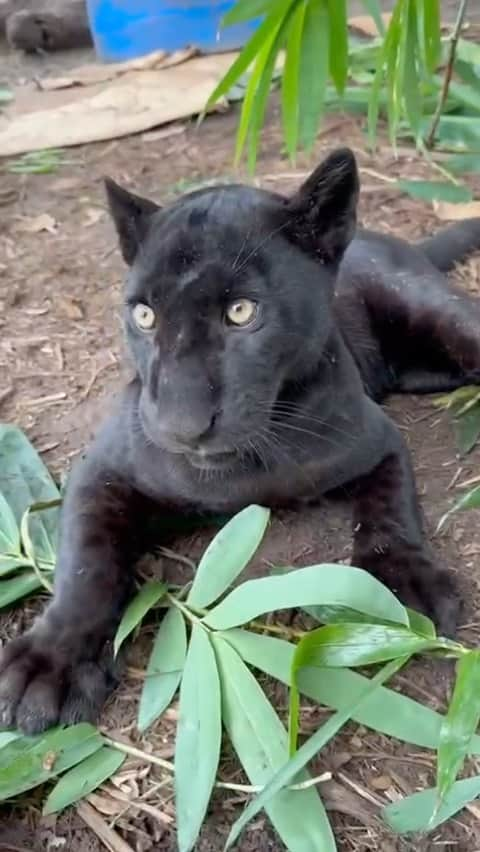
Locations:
323 211
131 216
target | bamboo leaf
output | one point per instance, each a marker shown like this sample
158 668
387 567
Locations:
164 669
341 645
246 10
49 756
411 81
429 32
386 711
260 741
308 750
290 80
250 50
199 735
84 778
456 133
266 63
18 586
467 430
313 71
24 481
414 813
459 724
429 190
463 163
338 42
227 555
374 9
148 596
353 645
9 535
332 585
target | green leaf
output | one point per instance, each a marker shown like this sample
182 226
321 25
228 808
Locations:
460 723
468 51
414 813
308 750
7 737
17 587
261 79
260 741
338 42
144 600
24 481
84 778
463 163
332 585
164 668
429 190
50 755
374 9
250 50
290 80
246 10
428 12
420 624
227 555
342 645
9 534
313 71
11 563
470 500
386 711
411 81
385 64
199 735
467 96
467 430
456 133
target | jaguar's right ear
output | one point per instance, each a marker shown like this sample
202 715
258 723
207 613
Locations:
131 215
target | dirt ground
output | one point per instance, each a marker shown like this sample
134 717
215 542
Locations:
61 359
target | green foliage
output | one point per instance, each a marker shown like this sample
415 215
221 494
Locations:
206 643
29 502
398 75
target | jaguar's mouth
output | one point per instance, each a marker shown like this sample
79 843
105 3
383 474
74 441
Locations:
210 461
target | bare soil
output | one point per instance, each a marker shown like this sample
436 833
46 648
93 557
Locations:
61 359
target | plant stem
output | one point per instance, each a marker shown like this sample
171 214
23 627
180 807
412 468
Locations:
196 616
448 72
132 751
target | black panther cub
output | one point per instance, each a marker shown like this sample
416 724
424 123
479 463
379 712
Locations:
261 346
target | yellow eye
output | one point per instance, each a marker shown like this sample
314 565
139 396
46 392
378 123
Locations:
241 312
144 317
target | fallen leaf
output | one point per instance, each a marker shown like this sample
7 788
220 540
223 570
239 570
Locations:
49 760
366 25
37 224
381 782
456 212
163 133
70 308
94 214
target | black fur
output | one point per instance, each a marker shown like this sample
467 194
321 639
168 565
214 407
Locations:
282 409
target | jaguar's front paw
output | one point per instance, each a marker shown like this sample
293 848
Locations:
40 688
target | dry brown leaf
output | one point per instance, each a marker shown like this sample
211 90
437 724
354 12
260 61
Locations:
70 308
105 804
87 75
163 133
94 214
37 224
366 25
449 212
381 782
106 835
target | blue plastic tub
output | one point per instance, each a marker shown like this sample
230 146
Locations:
124 29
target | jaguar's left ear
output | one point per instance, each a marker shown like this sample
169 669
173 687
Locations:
323 213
